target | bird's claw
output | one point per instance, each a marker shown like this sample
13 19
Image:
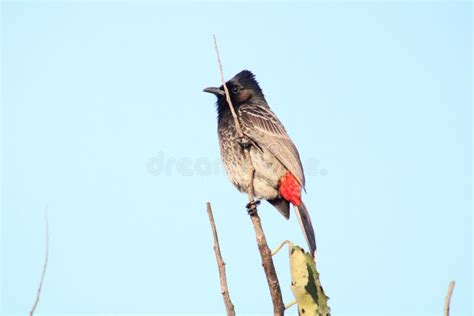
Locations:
244 142
252 207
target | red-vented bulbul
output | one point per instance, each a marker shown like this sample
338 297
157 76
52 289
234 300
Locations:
279 175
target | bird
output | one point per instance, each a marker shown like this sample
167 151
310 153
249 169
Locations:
279 176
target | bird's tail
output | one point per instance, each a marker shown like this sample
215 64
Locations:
305 222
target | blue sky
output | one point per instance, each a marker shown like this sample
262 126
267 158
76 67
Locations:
104 121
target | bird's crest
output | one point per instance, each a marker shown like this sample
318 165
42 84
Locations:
247 79
245 75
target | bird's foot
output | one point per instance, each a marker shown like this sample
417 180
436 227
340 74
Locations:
252 207
244 142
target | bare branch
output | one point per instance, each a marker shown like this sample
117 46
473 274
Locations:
268 267
221 265
265 253
45 264
447 299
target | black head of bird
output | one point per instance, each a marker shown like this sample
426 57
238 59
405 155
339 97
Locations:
242 88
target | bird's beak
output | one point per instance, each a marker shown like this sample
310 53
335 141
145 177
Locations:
217 91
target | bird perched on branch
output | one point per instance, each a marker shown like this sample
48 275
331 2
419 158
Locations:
279 176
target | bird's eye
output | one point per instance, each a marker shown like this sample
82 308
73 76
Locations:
235 89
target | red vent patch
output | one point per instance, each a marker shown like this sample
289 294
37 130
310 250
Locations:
290 189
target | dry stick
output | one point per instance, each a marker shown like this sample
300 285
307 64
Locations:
265 252
447 299
221 265
45 264
227 95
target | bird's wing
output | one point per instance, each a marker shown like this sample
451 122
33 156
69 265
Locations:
261 125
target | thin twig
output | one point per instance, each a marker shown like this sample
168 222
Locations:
265 253
290 304
281 246
221 265
227 95
447 299
45 264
